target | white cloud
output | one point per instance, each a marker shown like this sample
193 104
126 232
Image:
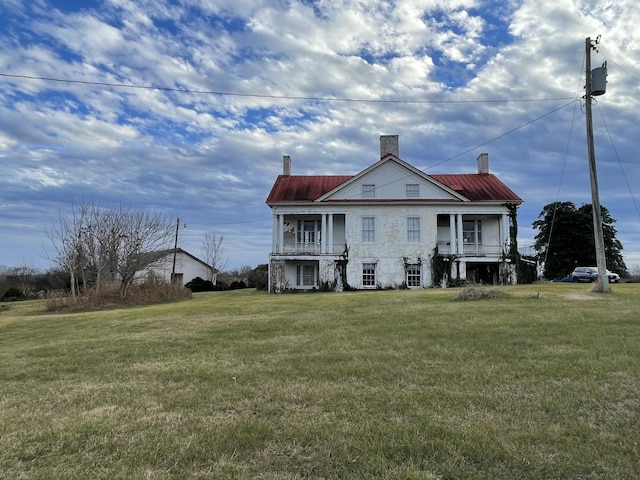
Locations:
214 157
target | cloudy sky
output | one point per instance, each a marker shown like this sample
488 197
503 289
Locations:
187 107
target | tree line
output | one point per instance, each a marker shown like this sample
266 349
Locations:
93 245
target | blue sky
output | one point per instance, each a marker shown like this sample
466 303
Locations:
243 82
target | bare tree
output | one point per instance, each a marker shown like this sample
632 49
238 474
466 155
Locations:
142 236
99 242
66 238
214 256
634 271
103 236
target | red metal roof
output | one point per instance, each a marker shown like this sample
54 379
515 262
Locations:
303 188
478 187
307 188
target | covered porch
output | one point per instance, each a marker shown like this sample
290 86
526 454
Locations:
466 235
308 234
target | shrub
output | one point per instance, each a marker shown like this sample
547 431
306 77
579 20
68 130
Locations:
14 293
477 292
200 285
236 285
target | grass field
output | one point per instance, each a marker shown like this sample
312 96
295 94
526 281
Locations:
541 384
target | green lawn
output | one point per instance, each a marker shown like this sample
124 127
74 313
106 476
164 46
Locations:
541 384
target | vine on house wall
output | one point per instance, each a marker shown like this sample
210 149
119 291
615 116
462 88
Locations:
440 266
526 272
341 265
513 231
279 282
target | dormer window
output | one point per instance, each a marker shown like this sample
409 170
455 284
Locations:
368 191
413 190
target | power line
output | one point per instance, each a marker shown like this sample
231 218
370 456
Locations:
274 97
503 134
564 165
615 150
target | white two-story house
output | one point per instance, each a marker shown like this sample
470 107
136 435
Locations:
389 226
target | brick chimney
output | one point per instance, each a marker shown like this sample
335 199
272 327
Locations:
286 165
483 163
389 144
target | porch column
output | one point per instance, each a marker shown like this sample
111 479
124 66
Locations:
505 235
460 236
274 233
452 234
330 234
280 233
323 234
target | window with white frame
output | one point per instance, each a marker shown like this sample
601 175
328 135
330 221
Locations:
368 191
369 274
413 274
413 229
306 275
368 229
472 232
308 232
412 190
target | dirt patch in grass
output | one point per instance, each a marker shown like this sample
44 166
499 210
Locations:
582 296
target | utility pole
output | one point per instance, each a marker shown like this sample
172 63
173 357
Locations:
601 258
175 251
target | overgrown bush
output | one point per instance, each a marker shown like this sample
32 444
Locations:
477 292
200 285
13 293
236 285
109 296
527 272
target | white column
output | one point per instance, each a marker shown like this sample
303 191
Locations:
452 234
274 233
460 236
323 234
505 235
330 234
281 233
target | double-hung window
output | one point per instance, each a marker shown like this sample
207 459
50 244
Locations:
412 190
368 191
472 236
413 229
368 229
368 274
306 275
472 232
413 274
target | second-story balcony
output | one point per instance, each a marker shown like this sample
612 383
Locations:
309 235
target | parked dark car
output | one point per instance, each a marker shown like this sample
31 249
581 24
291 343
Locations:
590 274
566 279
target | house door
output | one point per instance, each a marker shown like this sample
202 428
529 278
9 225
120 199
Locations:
309 234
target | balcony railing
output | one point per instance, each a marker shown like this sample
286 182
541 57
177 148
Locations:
444 248
310 249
